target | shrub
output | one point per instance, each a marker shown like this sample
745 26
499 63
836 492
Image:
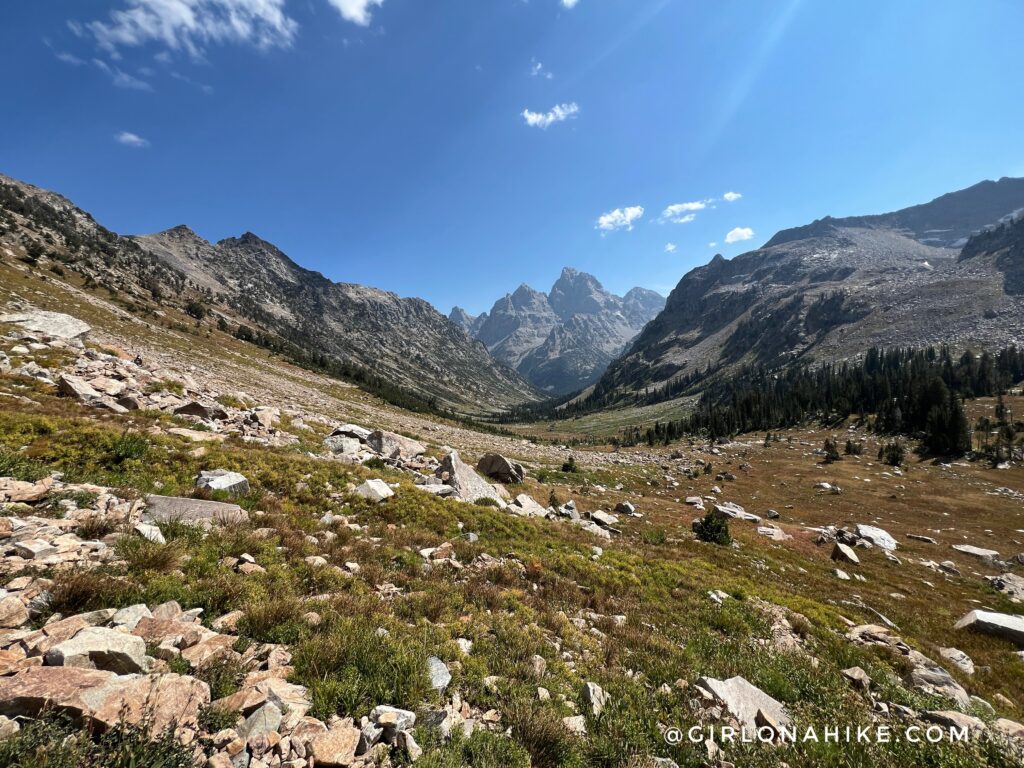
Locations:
893 454
213 718
95 527
375 462
277 620
224 674
570 465
854 449
831 450
130 445
53 742
654 536
541 730
80 591
713 528
145 555
486 501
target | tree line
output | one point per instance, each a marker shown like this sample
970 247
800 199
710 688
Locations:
907 391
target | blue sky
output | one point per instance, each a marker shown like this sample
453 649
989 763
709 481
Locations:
452 149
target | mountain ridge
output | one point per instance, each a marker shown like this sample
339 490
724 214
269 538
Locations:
404 344
831 289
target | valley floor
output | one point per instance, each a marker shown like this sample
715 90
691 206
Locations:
515 640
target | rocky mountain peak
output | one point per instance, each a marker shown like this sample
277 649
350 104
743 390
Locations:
560 341
576 293
183 233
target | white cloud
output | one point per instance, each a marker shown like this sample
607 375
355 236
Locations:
683 213
130 139
356 11
670 247
70 58
569 3
559 113
537 70
122 79
620 218
712 244
731 197
739 234
189 25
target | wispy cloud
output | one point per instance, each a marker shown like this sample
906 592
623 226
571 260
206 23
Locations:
569 3
130 139
731 197
738 234
670 247
620 218
121 78
559 113
192 25
70 58
712 244
537 70
189 25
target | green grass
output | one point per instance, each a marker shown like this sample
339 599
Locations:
655 574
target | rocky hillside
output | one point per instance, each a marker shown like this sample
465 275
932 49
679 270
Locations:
248 282
563 340
834 288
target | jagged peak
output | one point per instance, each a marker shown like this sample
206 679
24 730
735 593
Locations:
183 233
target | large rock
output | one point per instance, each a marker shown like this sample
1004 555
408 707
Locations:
13 612
595 697
208 411
166 509
12 490
1010 585
999 624
351 430
52 324
375 490
468 485
497 467
100 648
103 699
438 672
979 552
343 444
394 446
877 536
843 553
336 748
925 675
525 506
735 511
233 483
744 700
76 388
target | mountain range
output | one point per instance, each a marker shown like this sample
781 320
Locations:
563 340
944 272
402 344
950 271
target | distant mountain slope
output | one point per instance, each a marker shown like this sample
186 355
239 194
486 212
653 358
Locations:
834 288
403 341
563 340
